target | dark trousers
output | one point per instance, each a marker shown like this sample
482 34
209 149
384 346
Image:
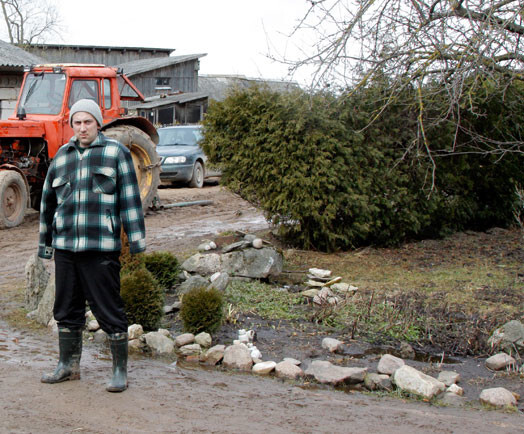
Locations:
93 277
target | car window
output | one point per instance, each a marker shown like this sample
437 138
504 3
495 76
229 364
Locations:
179 136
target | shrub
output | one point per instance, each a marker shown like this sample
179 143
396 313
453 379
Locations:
202 310
164 266
143 298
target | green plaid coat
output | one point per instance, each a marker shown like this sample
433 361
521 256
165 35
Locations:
87 197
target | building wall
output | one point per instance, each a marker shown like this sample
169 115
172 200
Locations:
106 56
10 84
182 77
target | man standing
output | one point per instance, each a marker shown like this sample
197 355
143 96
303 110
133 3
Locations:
90 192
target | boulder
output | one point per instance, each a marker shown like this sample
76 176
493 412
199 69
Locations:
448 377
37 278
264 368
253 263
320 273
288 370
293 361
203 339
184 339
508 337
237 357
457 390
219 281
410 380
500 361
373 381
93 325
44 312
100 337
450 398
204 264
190 350
192 282
327 373
159 343
213 355
498 397
332 345
388 364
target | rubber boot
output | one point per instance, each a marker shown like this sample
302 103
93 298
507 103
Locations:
70 348
118 343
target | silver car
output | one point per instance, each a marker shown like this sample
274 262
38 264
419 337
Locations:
182 159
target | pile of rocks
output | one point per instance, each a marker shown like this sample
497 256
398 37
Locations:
323 288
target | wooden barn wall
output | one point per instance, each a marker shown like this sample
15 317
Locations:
183 77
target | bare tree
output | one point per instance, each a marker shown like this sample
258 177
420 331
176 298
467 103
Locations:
29 21
413 42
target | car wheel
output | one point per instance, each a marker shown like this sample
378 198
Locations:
197 180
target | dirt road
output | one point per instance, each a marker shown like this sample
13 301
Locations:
166 398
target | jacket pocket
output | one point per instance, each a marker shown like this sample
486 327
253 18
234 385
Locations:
62 188
104 180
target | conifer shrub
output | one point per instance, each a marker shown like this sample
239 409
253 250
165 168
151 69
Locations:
143 298
202 310
164 266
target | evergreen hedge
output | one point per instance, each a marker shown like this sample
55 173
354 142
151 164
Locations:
331 180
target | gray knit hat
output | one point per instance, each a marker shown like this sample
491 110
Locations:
88 106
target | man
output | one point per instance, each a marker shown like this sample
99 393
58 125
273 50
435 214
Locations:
90 192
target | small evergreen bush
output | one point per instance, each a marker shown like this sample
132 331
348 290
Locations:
164 266
202 310
143 298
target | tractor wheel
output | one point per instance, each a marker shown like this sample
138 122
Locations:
13 199
145 159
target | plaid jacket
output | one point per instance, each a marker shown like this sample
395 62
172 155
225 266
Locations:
87 197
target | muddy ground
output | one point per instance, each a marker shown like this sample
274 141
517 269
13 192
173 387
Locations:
167 397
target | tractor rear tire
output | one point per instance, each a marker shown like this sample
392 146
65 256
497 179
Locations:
13 199
145 159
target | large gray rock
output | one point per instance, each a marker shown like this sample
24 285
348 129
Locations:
184 339
219 281
388 364
327 373
159 343
288 370
448 377
204 264
498 397
374 381
410 380
213 355
203 339
253 263
238 357
500 361
264 368
192 282
36 277
332 345
44 311
509 337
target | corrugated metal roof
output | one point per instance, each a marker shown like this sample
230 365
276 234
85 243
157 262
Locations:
105 47
14 57
144 65
158 101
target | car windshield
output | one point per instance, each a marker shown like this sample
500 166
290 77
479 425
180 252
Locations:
43 93
179 136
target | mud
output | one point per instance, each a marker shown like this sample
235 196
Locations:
166 397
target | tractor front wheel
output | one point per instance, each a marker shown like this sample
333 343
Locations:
145 159
13 199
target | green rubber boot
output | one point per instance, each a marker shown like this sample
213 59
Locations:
118 343
70 348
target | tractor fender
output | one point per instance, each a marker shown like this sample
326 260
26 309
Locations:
8 166
138 122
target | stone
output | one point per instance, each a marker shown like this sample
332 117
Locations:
165 332
253 263
100 337
90 316
453 399
333 281
320 273
288 371
293 361
315 283
448 377
237 357
412 381
220 282
264 368
407 351
214 355
203 339
190 350
250 237
36 279
193 282
332 345
134 331
310 293
373 381
388 364
500 361
457 390
159 343
44 312
184 339
236 246
257 243
135 346
344 287
93 325
508 337
327 373
204 264
498 397
323 296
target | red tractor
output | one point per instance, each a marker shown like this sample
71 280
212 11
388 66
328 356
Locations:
40 125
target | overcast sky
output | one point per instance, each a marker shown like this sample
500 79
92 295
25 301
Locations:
236 34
